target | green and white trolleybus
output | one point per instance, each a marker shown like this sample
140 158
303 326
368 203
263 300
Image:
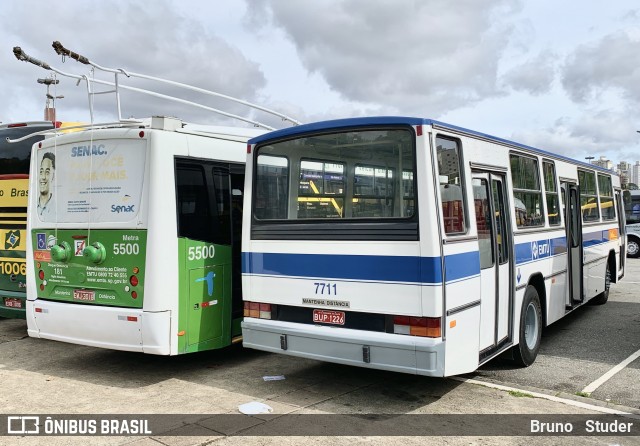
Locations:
416 246
134 231
136 245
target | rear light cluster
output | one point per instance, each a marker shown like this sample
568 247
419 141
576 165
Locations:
428 327
257 310
41 276
133 280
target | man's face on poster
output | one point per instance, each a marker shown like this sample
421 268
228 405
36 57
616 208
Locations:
46 175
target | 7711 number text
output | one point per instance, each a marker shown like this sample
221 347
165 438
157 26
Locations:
330 289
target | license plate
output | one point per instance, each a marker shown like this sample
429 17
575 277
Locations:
328 317
12 302
84 295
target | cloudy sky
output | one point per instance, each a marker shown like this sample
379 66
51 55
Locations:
561 76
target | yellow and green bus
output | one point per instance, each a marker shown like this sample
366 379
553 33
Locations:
14 190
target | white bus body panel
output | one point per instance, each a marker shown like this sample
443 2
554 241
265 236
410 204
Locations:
368 296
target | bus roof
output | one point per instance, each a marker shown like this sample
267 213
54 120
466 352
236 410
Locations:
407 120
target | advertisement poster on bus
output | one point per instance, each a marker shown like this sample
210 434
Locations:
91 181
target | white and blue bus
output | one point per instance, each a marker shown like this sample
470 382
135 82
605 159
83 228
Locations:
632 212
412 245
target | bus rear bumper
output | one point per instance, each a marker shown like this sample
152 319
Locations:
384 351
122 329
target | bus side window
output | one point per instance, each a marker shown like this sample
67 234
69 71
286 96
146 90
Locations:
451 193
588 196
551 192
193 202
527 194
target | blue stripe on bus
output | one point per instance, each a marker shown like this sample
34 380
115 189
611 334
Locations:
595 238
406 269
459 266
540 249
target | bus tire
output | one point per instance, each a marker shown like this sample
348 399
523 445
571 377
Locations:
633 247
603 297
526 351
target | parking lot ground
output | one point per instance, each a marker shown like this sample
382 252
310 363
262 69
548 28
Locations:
584 346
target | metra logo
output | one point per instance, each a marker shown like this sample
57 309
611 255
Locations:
96 149
540 249
118 209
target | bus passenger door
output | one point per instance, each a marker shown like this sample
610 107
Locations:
494 240
203 191
573 224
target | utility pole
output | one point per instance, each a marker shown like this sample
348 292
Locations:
50 105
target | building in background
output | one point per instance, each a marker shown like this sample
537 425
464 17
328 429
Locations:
624 170
635 174
603 162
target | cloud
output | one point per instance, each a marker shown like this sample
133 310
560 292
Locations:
610 63
156 40
535 76
594 132
423 57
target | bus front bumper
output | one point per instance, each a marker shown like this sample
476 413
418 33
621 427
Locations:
384 351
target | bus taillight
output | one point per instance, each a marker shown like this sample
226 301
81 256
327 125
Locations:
257 310
428 327
41 274
265 311
133 280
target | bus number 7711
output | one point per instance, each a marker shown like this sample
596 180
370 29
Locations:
326 288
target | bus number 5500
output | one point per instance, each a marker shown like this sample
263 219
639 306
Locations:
126 249
201 252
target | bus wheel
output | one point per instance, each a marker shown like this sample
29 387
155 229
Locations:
530 329
633 247
603 297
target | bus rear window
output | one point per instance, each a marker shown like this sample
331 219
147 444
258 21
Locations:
362 174
14 157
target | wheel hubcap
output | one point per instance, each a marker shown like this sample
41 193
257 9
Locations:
632 248
531 326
